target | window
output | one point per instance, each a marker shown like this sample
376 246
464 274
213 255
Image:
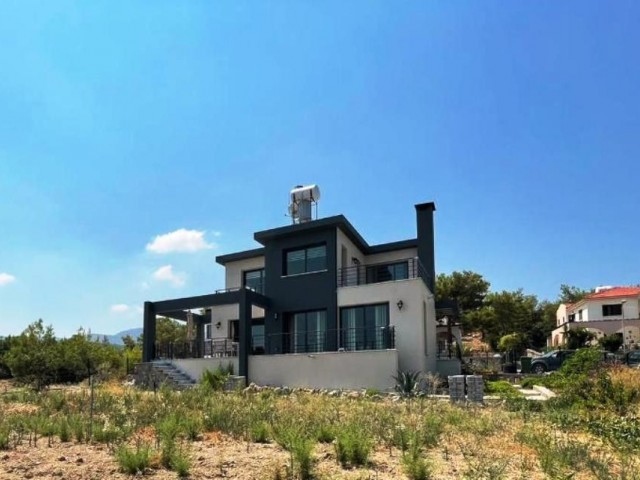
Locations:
364 327
305 260
254 280
207 331
234 330
307 332
388 272
579 314
612 310
572 317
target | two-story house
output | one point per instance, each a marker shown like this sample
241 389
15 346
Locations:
315 305
609 310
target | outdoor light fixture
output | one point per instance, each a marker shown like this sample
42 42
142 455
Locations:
218 324
400 304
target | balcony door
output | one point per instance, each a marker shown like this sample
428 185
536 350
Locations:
307 332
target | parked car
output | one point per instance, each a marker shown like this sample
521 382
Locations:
632 358
550 361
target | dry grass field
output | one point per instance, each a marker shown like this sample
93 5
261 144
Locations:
203 433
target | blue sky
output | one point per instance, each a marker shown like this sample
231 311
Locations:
123 121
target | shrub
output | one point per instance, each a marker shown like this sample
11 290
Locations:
325 433
192 426
4 438
260 432
301 451
406 382
63 430
216 379
353 446
414 464
132 461
181 462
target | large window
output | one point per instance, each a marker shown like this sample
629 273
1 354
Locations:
307 332
254 279
612 310
364 327
304 260
388 272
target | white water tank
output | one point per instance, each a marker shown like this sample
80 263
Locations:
302 200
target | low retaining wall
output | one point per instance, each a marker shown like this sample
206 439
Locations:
195 366
327 370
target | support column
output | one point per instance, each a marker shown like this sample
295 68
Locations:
149 333
244 325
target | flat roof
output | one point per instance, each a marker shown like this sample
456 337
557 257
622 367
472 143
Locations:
336 221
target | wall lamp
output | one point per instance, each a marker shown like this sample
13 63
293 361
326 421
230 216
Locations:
400 304
218 324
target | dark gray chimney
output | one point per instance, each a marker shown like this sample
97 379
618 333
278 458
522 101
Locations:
426 243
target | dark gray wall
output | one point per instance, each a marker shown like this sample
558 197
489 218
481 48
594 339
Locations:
426 241
312 291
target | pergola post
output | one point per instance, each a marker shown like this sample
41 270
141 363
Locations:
149 336
244 314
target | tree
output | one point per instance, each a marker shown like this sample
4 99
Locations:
611 343
5 346
168 330
578 338
129 342
571 294
33 357
468 288
507 312
513 342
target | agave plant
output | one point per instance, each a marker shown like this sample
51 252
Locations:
406 382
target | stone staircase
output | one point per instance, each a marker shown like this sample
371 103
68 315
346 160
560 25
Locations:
160 371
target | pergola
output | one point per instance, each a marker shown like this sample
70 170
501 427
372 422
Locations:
178 309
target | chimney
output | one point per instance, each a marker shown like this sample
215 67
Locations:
426 243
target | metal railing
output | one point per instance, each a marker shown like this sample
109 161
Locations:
217 347
404 269
259 289
344 339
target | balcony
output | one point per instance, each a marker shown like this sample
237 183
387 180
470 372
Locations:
346 339
404 269
216 347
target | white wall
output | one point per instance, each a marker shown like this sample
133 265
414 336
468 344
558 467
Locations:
561 315
195 366
233 270
408 322
592 309
352 250
331 370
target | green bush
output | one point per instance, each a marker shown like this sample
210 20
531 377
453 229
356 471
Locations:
4 438
133 461
180 462
414 464
215 379
353 446
259 432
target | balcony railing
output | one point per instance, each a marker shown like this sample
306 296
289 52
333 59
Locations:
404 269
217 347
344 339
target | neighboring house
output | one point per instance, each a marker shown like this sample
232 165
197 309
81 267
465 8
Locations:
314 306
609 310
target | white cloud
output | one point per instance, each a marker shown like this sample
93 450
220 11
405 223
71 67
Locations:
6 279
166 274
181 240
119 308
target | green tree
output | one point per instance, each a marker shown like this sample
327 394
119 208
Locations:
129 342
168 330
571 294
468 288
507 312
33 357
611 343
578 338
5 346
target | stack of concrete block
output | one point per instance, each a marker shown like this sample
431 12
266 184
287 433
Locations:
475 388
456 388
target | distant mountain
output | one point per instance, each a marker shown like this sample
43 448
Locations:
117 338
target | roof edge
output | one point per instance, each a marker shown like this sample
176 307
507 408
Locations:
234 257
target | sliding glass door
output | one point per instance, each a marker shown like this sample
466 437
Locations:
307 331
364 327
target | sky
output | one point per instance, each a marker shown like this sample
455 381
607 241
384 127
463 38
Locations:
139 139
